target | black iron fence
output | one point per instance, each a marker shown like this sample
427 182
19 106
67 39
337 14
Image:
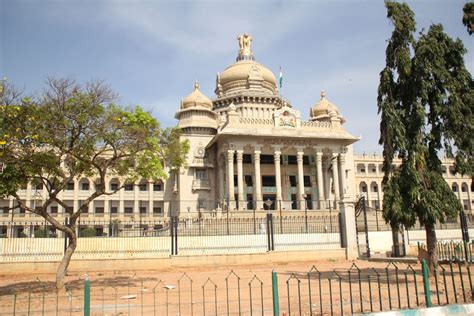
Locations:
314 292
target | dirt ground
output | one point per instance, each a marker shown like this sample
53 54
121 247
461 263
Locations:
320 287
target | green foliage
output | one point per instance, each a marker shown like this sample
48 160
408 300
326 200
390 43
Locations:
89 232
74 131
468 17
425 100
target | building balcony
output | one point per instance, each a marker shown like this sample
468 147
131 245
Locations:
201 185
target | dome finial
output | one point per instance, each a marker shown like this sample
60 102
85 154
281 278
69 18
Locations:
196 85
245 51
323 94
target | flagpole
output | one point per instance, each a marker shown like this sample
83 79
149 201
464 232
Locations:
281 81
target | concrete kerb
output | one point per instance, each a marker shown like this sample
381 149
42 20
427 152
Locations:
466 309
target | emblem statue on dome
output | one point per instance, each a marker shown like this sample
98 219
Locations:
245 51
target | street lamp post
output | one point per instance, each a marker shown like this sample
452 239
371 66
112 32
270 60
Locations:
271 245
140 218
37 198
304 196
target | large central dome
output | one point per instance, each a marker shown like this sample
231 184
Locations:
246 74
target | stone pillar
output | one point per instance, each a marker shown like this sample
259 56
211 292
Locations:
319 169
240 179
349 232
220 175
335 176
258 180
277 159
314 190
342 177
299 160
230 178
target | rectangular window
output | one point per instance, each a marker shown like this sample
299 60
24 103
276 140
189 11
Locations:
69 209
5 210
85 186
113 210
143 186
268 181
143 210
249 180
114 186
54 210
306 160
201 174
128 187
70 186
292 160
307 181
157 210
157 187
364 189
128 210
235 180
267 160
99 210
292 181
247 158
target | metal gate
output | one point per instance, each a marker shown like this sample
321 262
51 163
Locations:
362 228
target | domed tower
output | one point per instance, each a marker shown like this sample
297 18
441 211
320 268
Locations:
198 123
247 85
325 111
195 115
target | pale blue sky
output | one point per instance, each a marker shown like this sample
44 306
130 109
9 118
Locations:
151 52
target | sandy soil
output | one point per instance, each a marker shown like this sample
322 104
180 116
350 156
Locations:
320 287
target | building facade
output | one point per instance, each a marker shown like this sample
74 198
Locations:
249 150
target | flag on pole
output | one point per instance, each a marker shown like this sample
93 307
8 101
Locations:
281 77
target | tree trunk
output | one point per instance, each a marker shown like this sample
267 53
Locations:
431 242
62 268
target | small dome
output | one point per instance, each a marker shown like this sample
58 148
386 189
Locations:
196 98
324 110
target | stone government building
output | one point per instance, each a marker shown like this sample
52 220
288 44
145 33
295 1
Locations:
249 150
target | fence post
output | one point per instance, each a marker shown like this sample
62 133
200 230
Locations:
426 283
87 296
276 305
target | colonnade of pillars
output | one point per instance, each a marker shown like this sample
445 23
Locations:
337 161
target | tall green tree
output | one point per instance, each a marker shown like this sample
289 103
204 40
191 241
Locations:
468 17
73 131
425 103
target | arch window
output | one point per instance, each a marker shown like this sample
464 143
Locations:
363 187
454 187
361 168
143 185
114 184
84 184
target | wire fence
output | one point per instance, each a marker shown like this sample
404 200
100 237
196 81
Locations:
312 292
